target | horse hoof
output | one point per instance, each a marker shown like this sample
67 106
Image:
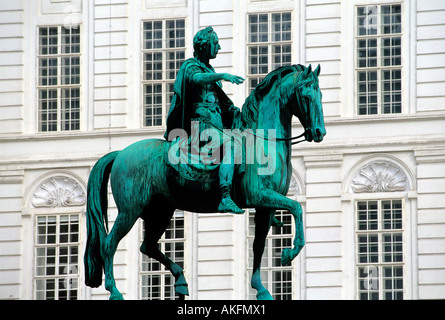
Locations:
182 289
277 223
116 296
264 295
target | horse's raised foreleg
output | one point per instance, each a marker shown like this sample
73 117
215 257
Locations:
263 221
155 226
121 226
271 199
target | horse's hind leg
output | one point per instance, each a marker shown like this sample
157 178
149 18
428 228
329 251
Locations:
124 222
263 221
155 225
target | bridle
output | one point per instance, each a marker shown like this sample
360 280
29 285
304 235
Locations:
305 115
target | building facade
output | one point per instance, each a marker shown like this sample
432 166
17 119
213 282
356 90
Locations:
80 78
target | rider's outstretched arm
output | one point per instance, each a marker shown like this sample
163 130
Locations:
210 78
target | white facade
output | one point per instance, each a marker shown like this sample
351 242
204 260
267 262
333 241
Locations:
365 160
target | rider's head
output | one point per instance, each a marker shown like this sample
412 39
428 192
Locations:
206 40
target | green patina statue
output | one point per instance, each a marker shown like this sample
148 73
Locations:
215 159
199 98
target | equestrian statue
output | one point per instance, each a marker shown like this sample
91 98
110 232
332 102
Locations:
214 158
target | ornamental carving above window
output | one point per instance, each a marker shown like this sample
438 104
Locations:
379 176
293 187
58 191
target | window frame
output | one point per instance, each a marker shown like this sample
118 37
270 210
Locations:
72 273
380 232
59 87
270 44
164 82
379 69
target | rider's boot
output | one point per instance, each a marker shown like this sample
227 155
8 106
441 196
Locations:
227 204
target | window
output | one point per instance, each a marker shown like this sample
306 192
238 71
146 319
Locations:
156 281
163 54
276 278
269 44
379 59
58 82
57 257
380 259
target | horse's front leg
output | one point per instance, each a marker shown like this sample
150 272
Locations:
263 221
271 199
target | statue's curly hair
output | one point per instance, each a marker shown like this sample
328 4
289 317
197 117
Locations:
201 39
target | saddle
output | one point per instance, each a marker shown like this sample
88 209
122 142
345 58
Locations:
190 172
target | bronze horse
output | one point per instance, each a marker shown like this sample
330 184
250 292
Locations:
142 189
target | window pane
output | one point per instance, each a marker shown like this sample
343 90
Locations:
48 72
368 283
174 61
391 51
392 247
367 92
70 40
392 91
70 70
153 66
153 104
367 215
152 35
282 284
70 111
258 28
368 248
281 55
258 60
391 19
367 20
281 27
175 32
48 41
393 282
392 214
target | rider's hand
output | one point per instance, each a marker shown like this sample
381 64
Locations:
232 78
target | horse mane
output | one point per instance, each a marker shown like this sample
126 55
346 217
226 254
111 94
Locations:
250 110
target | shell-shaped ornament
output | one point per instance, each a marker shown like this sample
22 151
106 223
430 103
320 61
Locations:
379 176
58 191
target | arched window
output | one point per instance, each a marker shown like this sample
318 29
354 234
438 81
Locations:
379 189
56 204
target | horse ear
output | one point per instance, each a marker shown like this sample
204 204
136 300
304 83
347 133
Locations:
317 71
309 69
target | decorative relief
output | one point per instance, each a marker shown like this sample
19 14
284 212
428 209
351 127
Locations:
59 191
379 176
293 187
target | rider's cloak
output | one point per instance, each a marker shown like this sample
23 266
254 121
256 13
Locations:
179 116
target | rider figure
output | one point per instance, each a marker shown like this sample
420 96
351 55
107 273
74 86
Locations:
198 96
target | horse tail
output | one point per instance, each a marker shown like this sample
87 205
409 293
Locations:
97 219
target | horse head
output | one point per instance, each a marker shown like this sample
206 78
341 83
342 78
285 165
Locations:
308 107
